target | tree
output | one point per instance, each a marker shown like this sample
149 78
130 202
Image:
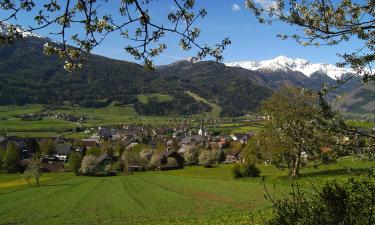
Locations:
289 129
93 151
327 22
11 160
118 149
74 162
191 155
206 158
88 164
47 147
33 169
221 156
133 21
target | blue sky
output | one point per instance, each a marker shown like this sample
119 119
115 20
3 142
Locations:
226 18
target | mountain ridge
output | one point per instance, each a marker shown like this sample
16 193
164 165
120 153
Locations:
287 64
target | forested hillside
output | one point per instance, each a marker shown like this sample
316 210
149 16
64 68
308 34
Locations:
28 76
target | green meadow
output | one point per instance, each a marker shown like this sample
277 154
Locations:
107 116
194 195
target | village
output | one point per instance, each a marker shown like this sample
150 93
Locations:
130 148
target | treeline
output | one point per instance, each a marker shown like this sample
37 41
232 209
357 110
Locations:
182 104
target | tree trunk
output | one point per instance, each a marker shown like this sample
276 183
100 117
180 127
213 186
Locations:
37 180
296 164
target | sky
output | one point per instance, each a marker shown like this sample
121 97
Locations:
226 18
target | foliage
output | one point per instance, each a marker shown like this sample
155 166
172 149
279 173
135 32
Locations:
74 162
132 21
10 158
207 158
221 157
47 147
191 155
33 169
106 147
245 170
95 151
138 155
236 170
350 202
289 129
118 149
155 161
182 104
88 164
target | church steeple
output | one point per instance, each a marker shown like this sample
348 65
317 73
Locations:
201 129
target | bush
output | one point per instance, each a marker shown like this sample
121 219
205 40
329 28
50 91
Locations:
245 170
249 170
236 171
350 202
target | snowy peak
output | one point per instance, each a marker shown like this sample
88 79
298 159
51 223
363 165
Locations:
4 29
286 64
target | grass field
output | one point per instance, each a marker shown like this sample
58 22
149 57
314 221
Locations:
45 125
143 98
194 195
216 109
12 110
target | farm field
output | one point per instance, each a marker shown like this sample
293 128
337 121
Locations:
194 195
107 116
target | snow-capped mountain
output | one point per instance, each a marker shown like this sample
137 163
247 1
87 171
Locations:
286 64
4 29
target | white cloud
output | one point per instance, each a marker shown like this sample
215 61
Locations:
236 8
266 3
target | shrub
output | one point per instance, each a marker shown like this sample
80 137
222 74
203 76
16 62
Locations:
249 170
350 202
236 171
245 170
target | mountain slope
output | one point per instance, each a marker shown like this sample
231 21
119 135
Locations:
28 76
360 100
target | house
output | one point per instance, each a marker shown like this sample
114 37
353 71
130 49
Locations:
49 165
173 154
233 157
103 163
62 150
89 143
178 134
